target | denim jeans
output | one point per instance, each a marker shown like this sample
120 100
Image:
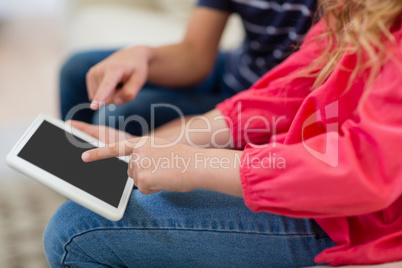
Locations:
196 99
195 229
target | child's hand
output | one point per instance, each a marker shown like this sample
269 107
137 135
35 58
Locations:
118 78
154 165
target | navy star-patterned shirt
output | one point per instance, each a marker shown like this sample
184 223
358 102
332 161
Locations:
272 29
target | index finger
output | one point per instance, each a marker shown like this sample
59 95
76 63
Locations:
122 148
109 83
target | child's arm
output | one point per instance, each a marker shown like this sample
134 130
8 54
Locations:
203 131
118 78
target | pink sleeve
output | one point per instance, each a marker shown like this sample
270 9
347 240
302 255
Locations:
275 98
366 171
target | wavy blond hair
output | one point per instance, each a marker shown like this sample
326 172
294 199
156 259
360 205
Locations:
360 27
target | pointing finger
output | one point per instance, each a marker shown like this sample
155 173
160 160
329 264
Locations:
109 83
122 148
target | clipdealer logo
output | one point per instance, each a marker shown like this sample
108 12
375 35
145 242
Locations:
329 116
331 154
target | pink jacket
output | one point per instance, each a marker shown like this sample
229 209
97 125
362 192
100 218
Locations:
323 158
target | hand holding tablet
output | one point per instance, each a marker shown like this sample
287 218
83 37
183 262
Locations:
50 152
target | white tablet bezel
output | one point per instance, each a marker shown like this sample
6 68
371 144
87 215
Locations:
62 187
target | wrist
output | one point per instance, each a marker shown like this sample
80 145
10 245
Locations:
144 51
216 170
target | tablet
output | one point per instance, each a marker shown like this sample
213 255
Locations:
50 152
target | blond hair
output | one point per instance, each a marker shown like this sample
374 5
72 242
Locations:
360 27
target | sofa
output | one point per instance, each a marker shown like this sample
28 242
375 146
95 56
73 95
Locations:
97 24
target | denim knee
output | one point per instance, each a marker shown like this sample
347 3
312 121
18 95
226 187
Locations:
53 242
73 89
76 66
59 231
79 63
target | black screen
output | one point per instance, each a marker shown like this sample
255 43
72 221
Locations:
50 149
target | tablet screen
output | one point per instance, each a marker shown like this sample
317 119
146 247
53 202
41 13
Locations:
50 149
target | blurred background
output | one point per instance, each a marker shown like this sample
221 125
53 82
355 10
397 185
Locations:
36 37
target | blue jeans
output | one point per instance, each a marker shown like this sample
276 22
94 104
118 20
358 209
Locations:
196 99
195 229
